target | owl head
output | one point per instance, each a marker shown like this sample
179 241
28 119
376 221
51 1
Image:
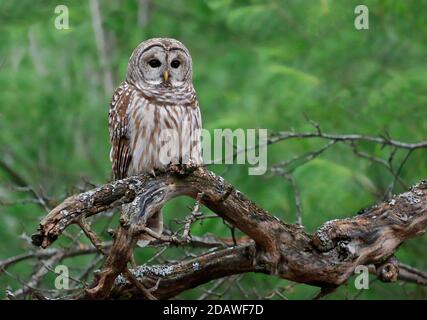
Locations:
160 62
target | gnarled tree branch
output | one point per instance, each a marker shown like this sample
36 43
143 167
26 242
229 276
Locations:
325 259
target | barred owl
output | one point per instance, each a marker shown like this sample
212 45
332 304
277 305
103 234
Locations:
157 96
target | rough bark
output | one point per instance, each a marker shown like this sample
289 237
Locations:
325 259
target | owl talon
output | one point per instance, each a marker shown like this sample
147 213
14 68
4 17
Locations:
175 168
182 168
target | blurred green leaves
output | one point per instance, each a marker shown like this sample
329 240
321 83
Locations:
257 64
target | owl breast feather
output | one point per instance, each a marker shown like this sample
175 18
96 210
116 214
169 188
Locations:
161 134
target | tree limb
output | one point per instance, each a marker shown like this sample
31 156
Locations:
326 259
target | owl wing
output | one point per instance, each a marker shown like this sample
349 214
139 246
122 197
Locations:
118 123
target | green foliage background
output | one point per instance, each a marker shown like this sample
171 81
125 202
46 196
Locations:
257 64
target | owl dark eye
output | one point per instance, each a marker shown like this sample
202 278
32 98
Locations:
154 63
175 64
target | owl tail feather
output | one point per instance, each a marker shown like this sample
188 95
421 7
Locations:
154 222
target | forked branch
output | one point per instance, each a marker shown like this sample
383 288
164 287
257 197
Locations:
325 259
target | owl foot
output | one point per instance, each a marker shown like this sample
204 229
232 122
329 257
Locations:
175 168
182 168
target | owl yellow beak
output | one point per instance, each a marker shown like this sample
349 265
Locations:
166 75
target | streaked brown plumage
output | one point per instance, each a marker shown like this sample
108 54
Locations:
157 97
